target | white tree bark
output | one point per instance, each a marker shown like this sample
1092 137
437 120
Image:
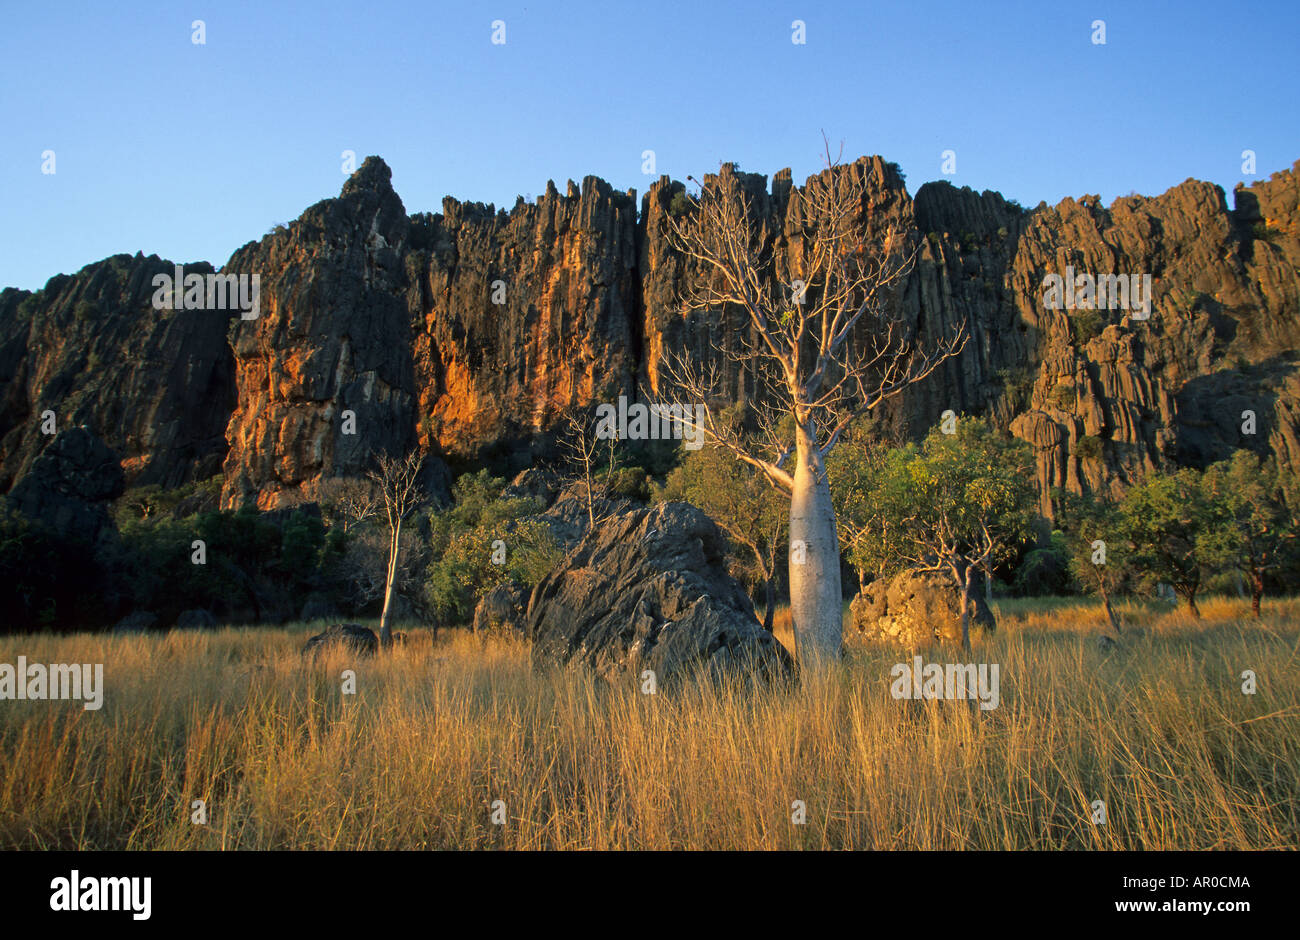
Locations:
815 596
390 589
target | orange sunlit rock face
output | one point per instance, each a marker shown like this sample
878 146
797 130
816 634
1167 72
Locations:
472 331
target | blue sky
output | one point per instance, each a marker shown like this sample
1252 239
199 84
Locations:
189 151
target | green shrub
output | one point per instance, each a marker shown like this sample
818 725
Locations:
28 307
1089 447
1260 230
1087 324
484 540
1061 397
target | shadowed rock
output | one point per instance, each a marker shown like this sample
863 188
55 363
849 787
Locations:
70 484
351 636
503 606
649 589
141 621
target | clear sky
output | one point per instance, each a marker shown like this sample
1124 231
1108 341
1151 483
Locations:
189 151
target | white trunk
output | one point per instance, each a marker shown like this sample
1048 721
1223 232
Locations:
815 583
386 618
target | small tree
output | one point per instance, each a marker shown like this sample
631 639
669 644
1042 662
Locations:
483 540
743 505
868 513
1259 535
955 505
1097 550
397 479
349 502
1175 527
592 460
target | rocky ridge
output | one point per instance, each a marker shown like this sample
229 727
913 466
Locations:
471 331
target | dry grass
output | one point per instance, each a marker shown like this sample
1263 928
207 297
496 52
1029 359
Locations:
1158 728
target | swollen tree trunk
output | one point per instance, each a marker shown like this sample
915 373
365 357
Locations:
386 618
815 599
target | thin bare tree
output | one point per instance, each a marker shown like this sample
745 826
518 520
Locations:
397 479
349 502
583 450
825 342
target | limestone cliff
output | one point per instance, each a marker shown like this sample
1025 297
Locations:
469 332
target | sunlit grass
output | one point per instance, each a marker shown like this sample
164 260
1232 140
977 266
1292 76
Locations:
1158 728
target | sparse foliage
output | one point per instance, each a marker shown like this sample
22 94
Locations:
1096 546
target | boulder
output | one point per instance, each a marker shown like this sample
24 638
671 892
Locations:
501 607
350 636
569 519
198 619
649 589
916 608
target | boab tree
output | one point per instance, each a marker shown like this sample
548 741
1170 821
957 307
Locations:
826 342
397 479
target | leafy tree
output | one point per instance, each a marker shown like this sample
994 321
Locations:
1096 546
1258 535
46 580
1044 569
742 503
956 504
1176 529
483 540
871 507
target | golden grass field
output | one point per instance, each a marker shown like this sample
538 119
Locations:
1158 728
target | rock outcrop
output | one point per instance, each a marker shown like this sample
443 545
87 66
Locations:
501 609
916 608
70 485
345 636
324 376
649 589
470 332
157 386
519 317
